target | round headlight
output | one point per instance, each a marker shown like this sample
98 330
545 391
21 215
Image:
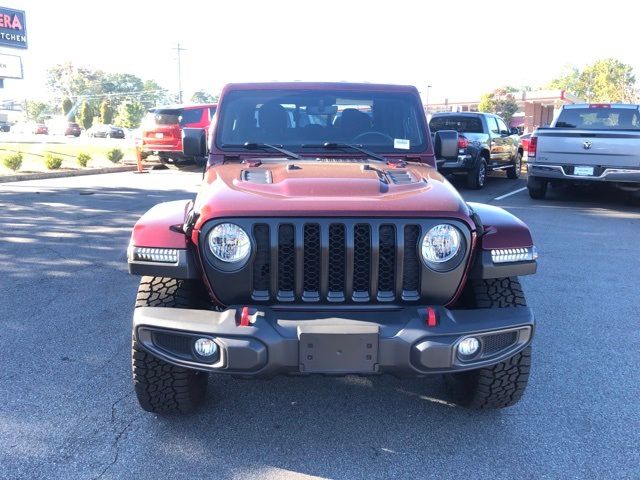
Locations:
441 243
229 243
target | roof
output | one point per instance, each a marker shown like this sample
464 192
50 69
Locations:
630 106
462 114
183 105
338 86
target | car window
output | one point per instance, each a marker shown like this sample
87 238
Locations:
212 112
492 125
379 121
502 126
193 115
461 124
597 118
161 116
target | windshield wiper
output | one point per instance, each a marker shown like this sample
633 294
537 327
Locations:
344 146
264 146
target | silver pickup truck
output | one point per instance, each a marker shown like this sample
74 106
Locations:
587 143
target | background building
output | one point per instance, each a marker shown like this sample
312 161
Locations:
536 108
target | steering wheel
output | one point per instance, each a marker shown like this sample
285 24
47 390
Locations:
359 137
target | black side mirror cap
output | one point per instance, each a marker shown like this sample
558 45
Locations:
445 145
194 143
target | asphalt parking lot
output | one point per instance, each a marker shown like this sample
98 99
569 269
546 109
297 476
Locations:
67 408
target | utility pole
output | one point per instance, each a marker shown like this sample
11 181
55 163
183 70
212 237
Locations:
179 49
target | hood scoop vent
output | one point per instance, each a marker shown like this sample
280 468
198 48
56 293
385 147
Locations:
257 175
400 177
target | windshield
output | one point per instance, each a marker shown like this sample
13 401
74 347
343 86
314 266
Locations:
597 118
162 116
461 124
378 121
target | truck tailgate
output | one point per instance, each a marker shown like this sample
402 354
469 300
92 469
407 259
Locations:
588 147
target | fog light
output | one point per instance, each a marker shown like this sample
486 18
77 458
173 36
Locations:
205 347
468 346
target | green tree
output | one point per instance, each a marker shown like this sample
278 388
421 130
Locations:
66 106
487 103
65 79
85 115
202 96
501 101
106 112
130 113
153 94
36 111
606 80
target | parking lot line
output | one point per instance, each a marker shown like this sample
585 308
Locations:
510 193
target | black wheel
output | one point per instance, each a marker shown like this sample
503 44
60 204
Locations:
514 173
160 386
477 175
537 187
503 384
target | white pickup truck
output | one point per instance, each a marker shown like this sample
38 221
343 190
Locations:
587 143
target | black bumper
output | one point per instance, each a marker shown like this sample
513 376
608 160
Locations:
396 341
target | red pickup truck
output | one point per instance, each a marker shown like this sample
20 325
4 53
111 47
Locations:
162 130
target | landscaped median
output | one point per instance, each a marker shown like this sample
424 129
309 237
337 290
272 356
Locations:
24 161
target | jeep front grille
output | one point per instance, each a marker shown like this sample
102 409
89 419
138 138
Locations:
330 262
335 262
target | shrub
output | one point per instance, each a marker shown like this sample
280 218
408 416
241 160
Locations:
13 161
83 159
115 155
52 162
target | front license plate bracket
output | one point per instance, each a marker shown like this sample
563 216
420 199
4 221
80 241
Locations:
338 349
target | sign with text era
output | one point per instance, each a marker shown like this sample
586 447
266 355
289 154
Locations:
13 28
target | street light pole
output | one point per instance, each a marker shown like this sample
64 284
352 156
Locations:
427 99
179 49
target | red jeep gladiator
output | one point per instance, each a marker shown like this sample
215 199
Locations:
324 241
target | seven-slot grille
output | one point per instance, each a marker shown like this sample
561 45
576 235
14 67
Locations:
336 262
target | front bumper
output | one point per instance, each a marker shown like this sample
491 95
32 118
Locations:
601 173
336 342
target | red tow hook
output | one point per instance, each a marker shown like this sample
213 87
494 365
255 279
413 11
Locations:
244 317
432 319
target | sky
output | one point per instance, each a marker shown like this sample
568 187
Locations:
461 48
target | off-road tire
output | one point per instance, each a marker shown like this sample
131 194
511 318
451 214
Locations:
160 386
537 187
503 384
477 176
514 173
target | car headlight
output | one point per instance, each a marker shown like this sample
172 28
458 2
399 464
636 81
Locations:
441 244
229 243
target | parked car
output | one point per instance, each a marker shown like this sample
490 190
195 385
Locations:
162 129
105 131
324 249
65 128
587 144
5 127
40 129
485 144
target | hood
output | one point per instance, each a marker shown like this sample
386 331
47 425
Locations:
329 188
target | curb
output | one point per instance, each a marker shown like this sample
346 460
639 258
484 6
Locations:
71 173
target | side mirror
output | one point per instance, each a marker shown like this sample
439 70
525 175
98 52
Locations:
194 143
445 145
514 131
